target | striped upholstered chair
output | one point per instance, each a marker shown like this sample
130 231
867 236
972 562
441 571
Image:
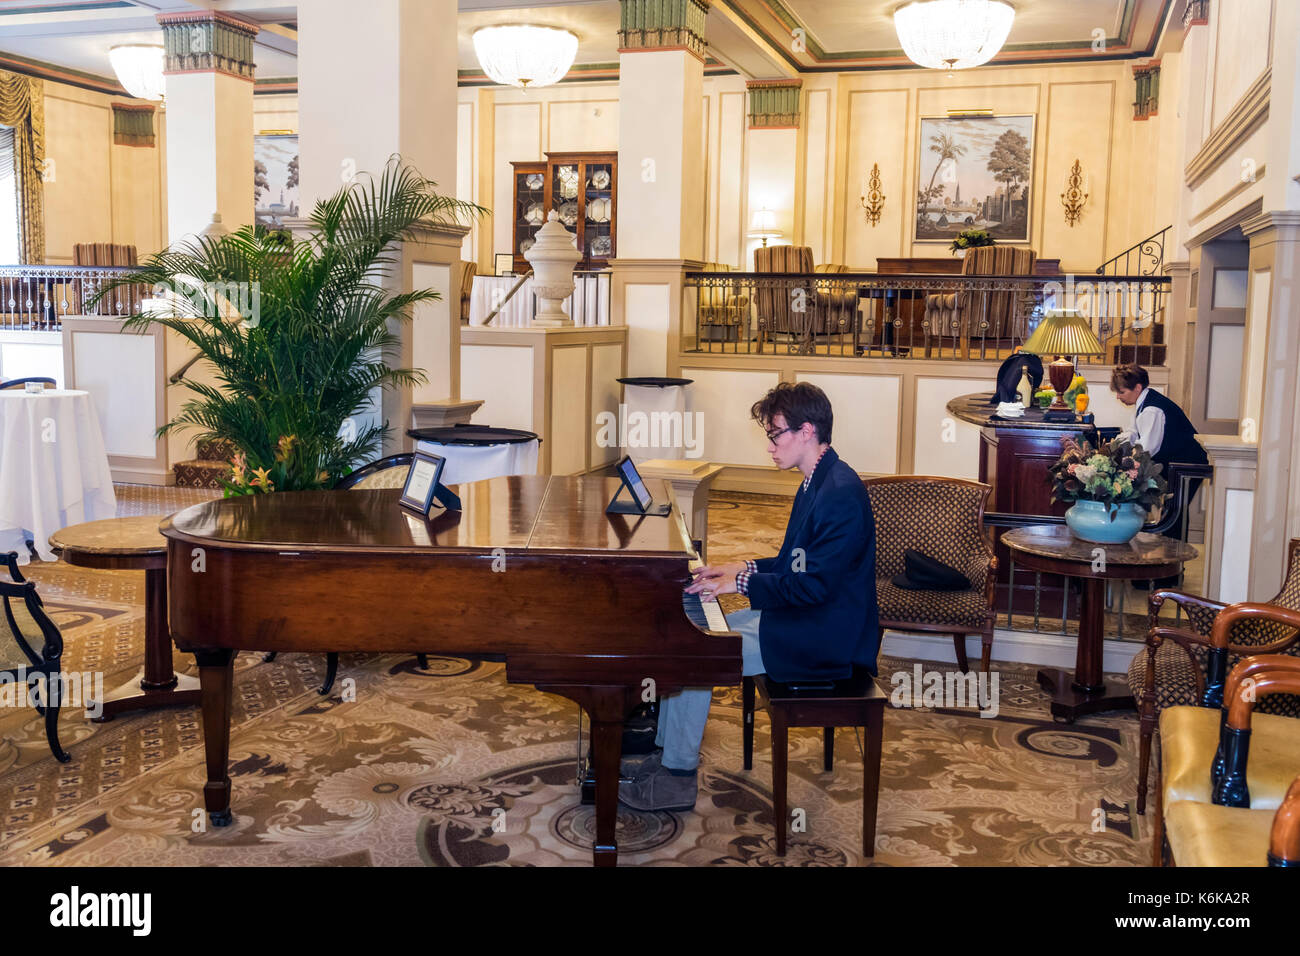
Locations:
785 307
942 518
997 317
724 307
1171 670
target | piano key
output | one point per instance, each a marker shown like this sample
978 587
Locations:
706 615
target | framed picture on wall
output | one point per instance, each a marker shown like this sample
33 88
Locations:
974 172
275 178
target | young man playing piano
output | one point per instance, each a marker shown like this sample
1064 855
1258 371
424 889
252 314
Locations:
813 611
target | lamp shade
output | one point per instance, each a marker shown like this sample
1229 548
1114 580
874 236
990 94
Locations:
139 68
1063 332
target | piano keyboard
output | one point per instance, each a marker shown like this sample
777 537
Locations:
704 614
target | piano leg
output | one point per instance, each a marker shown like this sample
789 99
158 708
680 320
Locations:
216 683
605 707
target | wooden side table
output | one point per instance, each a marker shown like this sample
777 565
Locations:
1055 550
134 544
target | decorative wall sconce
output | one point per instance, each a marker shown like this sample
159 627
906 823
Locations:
1075 195
874 201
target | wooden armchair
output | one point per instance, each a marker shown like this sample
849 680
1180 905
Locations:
723 307
1178 668
1000 316
944 519
1219 808
24 613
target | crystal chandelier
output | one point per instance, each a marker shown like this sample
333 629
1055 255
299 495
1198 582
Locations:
139 68
525 56
953 34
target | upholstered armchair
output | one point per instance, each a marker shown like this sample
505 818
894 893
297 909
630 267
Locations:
105 255
466 285
942 518
722 307
837 302
1178 667
1230 778
785 307
978 314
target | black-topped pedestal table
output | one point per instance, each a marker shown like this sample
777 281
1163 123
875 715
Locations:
134 544
1055 550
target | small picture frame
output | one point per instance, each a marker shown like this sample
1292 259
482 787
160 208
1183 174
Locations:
422 482
503 263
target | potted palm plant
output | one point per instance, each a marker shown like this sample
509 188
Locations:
298 331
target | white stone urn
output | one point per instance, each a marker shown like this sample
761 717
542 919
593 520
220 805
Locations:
553 256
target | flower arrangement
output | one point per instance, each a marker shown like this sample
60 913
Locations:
252 481
970 238
1117 472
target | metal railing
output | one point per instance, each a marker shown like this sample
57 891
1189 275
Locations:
1143 258
36 298
867 314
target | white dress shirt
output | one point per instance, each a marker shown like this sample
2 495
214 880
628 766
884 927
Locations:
1148 428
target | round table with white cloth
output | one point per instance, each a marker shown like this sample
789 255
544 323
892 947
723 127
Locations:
477 452
589 304
53 467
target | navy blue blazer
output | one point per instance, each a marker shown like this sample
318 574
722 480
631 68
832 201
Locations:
818 595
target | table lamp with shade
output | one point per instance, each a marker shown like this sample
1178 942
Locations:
1062 333
763 226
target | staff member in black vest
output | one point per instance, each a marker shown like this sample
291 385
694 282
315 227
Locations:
1162 429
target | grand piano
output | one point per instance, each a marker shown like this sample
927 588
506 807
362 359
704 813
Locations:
577 602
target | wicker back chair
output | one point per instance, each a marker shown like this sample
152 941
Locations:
942 518
1172 670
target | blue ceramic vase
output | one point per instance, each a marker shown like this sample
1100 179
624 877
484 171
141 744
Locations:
1091 521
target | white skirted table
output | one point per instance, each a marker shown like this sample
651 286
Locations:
477 452
53 467
655 410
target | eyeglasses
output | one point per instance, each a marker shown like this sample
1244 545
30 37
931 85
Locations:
773 436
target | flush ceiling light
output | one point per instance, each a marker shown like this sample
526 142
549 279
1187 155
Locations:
519 55
953 34
139 68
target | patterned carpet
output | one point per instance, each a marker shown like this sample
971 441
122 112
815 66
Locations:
455 767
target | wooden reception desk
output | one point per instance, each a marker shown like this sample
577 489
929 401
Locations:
1015 455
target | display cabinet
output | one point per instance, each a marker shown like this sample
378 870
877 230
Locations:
582 188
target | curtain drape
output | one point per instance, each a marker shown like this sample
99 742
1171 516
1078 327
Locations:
22 106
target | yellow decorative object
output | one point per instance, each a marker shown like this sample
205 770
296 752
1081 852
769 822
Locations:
1081 402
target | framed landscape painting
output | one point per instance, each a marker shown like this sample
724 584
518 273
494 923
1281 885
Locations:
275 178
975 172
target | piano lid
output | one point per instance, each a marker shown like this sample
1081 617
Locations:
523 512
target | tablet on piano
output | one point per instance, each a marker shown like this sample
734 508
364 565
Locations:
642 502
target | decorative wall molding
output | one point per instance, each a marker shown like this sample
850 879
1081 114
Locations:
207 42
133 124
1247 116
662 25
1146 101
774 104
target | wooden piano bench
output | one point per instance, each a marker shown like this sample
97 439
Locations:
854 702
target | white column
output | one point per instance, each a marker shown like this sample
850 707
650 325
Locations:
209 87
376 79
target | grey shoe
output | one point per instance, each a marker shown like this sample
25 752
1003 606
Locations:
659 789
639 765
